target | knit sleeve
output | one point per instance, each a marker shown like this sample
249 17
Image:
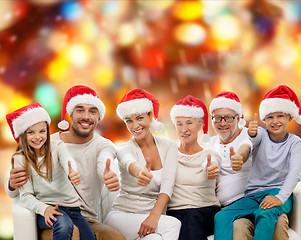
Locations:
170 165
27 196
257 139
64 156
125 156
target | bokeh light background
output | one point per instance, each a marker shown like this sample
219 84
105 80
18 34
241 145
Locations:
170 48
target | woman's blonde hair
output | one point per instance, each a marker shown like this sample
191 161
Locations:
31 159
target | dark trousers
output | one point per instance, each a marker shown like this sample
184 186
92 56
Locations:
197 223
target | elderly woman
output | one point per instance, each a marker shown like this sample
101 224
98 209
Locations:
148 166
194 201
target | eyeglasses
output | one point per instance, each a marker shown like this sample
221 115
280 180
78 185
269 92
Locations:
228 119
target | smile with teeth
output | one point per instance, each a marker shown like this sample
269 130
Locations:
138 131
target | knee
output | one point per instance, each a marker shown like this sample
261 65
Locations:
220 216
243 225
63 227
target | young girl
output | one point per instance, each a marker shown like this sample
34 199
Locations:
48 191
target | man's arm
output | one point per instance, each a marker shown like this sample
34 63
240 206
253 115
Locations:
18 177
244 150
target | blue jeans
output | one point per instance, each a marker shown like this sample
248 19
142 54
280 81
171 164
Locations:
197 223
265 219
63 227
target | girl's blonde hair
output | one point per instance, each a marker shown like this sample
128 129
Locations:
31 159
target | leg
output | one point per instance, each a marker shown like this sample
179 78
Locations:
243 228
223 221
46 234
281 229
85 230
104 232
62 227
129 224
265 220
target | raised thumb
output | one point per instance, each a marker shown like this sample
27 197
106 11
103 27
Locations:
231 151
108 163
255 117
208 160
69 166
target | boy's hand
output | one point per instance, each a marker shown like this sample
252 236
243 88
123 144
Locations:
145 176
73 175
49 215
111 179
17 178
253 125
270 201
212 169
236 160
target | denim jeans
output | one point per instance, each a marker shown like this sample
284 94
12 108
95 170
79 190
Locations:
63 227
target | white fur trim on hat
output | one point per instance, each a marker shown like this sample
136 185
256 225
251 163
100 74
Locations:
86 99
186 111
28 119
271 105
136 106
156 125
222 102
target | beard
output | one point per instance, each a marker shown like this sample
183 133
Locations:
225 137
82 134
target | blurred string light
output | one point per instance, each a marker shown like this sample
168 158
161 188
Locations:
57 69
78 54
104 76
3 110
88 29
153 9
213 9
126 34
225 31
46 95
190 34
57 40
263 76
6 228
188 10
71 10
6 14
292 11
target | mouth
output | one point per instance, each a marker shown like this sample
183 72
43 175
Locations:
138 131
85 124
37 142
275 127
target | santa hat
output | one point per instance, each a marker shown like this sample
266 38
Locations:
281 99
80 94
191 107
139 101
26 117
228 100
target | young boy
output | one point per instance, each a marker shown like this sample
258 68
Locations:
275 171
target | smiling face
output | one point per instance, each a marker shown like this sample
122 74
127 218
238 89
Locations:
276 124
36 136
139 124
85 118
187 129
226 131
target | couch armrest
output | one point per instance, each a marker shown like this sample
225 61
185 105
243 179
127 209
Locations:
295 215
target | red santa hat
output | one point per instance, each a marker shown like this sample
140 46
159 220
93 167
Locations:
191 107
80 94
139 101
281 99
25 117
229 100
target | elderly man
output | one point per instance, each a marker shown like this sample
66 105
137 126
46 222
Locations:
91 152
234 147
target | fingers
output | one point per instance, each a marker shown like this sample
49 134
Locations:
69 166
18 177
112 183
212 171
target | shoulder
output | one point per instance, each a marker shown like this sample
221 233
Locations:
166 142
55 136
100 139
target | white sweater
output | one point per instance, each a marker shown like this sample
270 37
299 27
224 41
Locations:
137 199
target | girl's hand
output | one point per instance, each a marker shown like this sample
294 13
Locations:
269 202
73 175
49 215
148 226
145 176
253 125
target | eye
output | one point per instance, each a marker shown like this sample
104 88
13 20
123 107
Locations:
217 119
94 111
179 124
29 132
128 121
228 118
140 118
43 131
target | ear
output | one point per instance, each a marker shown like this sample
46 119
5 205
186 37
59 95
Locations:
151 114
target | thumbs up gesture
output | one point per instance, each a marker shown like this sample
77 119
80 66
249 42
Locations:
145 176
253 125
73 175
212 169
111 179
236 160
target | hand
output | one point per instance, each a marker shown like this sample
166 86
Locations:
73 175
148 226
49 215
212 169
253 125
236 160
17 178
111 179
145 176
269 202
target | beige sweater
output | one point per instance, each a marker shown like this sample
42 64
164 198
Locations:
192 188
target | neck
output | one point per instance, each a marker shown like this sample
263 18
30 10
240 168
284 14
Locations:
71 137
190 148
277 137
